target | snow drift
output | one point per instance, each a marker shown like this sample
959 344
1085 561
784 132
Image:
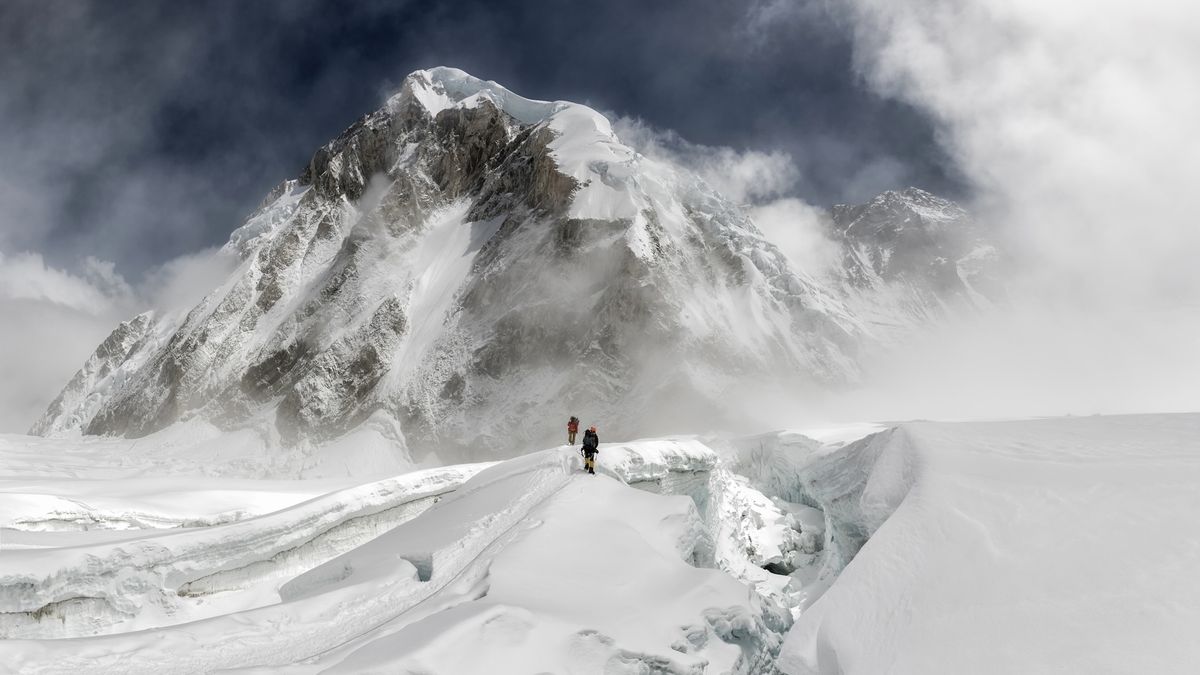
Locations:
1057 545
534 563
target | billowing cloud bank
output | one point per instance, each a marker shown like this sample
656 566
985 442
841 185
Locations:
1075 124
51 318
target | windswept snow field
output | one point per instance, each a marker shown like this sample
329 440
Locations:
1060 545
536 565
1065 545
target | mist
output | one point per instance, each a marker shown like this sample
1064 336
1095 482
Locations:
1081 141
1079 151
1075 127
55 318
764 184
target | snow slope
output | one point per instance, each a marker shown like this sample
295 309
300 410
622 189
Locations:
598 580
1057 545
199 449
1045 546
534 563
164 576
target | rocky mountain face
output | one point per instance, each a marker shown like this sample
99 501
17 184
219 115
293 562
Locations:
908 258
464 268
108 365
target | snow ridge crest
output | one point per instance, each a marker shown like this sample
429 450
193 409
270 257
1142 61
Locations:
442 88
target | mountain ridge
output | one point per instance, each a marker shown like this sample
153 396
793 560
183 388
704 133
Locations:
462 267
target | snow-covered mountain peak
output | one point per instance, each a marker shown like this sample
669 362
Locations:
894 211
584 146
910 257
442 88
462 267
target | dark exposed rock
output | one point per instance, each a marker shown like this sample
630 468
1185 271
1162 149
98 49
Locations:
454 387
264 378
344 166
330 394
471 140
526 177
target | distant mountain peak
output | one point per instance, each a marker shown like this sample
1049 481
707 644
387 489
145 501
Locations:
893 210
911 258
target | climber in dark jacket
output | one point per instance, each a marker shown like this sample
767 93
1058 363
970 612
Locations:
591 446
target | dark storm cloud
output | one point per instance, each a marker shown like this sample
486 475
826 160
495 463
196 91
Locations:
135 135
138 131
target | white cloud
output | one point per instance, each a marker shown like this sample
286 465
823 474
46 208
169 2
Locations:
759 181
26 276
42 344
744 176
182 282
1075 124
52 319
1032 361
799 230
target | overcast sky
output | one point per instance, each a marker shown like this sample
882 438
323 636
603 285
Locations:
138 131
135 135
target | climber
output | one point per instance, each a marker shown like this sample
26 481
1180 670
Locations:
591 446
572 429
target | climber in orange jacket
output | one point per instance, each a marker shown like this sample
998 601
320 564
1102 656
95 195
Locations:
572 429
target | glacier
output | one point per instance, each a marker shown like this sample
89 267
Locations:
360 577
1025 545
